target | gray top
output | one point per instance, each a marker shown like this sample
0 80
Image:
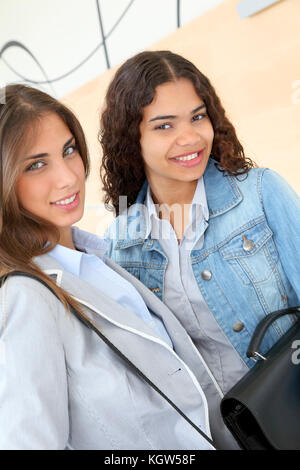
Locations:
183 296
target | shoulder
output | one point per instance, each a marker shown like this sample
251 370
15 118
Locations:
277 192
252 177
28 298
258 181
215 178
266 185
263 177
31 320
270 178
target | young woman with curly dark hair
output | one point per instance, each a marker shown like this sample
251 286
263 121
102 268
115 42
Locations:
132 89
211 235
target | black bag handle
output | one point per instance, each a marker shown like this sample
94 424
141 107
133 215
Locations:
90 324
262 327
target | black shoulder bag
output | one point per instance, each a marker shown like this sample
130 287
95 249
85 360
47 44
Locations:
89 324
262 410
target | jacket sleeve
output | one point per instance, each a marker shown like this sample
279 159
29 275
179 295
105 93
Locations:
33 379
282 208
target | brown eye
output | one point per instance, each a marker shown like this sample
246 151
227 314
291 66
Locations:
166 125
198 117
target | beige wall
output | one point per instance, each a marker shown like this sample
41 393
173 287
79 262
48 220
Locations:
254 64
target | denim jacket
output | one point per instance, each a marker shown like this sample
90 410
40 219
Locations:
249 264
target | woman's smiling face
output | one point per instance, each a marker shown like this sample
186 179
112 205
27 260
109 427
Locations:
176 135
51 184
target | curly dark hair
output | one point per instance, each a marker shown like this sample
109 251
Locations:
133 88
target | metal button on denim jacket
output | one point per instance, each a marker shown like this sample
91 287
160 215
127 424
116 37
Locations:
251 249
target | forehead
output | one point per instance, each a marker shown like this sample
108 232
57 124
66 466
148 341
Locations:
174 98
44 135
48 130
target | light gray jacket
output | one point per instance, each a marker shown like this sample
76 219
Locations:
62 387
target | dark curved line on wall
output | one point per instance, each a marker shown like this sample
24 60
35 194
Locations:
120 18
57 78
178 14
102 34
21 46
61 77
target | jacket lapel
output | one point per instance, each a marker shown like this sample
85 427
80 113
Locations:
227 195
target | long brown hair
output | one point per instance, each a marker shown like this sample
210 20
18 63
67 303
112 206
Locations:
133 88
22 234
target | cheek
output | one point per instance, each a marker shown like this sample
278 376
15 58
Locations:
144 145
153 149
209 134
31 192
79 170
151 146
23 190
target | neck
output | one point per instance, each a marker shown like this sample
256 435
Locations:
174 202
173 193
66 238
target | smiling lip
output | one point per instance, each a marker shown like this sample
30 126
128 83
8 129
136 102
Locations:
68 207
188 163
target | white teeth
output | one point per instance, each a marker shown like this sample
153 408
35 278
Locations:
187 157
66 201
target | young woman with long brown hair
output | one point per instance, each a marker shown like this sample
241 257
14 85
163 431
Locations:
61 386
211 235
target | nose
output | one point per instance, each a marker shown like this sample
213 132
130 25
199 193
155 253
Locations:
64 176
188 136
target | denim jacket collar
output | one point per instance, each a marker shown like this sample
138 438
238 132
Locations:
222 194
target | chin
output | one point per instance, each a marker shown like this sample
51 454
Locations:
68 221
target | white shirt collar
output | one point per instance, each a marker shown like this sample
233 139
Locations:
87 242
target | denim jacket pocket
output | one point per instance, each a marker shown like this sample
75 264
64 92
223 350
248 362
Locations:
252 254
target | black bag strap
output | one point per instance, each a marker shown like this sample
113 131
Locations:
90 324
262 327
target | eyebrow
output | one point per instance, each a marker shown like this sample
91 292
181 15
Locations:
41 155
171 116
